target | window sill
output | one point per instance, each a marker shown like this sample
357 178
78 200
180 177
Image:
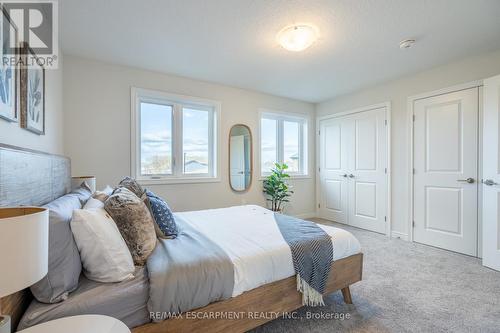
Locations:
171 181
292 177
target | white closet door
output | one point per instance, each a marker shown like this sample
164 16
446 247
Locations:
367 175
491 174
445 175
334 161
353 160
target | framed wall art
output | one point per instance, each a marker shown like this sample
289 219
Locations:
32 93
8 72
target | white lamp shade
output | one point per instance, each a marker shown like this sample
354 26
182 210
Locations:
76 182
24 247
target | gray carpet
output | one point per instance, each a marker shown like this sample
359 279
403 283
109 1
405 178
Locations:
407 287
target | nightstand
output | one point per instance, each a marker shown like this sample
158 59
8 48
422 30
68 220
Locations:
80 324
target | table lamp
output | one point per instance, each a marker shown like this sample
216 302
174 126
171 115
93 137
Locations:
24 251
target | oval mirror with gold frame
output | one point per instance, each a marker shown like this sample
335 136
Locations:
240 158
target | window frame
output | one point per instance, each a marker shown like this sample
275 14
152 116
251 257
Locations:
280 118
178 102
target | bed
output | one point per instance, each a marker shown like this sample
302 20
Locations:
264 279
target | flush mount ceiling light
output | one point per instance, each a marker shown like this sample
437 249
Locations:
297 37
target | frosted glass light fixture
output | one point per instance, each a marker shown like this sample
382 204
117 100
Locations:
298 37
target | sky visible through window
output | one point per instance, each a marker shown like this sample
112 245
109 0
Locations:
195 125
156 140
291 144
268 144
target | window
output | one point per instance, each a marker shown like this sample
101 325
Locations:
283 139
156 139
269 149
175 137
195 141
291 145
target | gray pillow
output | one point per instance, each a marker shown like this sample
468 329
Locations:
83 193
135 223
64 260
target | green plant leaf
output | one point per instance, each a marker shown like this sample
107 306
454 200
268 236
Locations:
276 188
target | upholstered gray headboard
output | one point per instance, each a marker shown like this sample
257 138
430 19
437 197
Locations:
29 178
32 178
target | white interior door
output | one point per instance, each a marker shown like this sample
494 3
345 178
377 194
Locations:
367 176
491 173
237 162
334 164
445 171
353 162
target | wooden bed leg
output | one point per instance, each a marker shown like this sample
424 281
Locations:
346 292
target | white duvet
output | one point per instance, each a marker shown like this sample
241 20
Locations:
251 238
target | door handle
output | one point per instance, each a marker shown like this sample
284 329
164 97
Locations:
489 182
468 180
351 176
344 175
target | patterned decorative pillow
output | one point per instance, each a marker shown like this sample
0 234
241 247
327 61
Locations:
134 222
132 185
162 215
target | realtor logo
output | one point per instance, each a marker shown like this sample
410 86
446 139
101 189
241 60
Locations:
30 23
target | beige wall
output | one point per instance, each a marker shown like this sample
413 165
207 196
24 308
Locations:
52 141
97 125
397 92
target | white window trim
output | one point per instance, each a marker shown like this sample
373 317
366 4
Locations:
303 140
139 94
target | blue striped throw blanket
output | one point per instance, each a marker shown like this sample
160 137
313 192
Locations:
312 254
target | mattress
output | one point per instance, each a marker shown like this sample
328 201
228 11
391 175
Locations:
125 301
250 237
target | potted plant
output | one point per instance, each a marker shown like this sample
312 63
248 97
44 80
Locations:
276 187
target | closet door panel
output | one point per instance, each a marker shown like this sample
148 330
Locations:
334 146
368 161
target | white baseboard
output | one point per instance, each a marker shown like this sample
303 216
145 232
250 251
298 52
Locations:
306 215
400 235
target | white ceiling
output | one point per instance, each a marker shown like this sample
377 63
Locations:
233 42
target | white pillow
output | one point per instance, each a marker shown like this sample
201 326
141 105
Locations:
93 203
104 254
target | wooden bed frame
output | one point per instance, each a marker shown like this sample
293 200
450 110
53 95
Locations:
277 297
34 178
